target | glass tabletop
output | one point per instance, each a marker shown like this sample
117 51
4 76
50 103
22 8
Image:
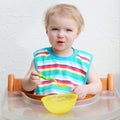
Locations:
105 106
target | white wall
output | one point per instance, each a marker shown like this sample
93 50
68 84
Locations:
22 32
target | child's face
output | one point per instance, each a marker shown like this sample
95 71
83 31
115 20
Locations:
62 31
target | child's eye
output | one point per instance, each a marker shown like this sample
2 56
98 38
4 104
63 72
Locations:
68 30
54 29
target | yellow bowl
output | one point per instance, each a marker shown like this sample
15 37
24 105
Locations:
60 103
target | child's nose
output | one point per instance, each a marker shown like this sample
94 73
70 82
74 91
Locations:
61 33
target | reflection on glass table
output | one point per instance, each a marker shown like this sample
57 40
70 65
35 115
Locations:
17 105
106 106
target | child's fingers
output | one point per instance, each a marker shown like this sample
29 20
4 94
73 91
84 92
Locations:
73 88
80 91
35 73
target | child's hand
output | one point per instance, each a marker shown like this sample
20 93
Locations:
80 90
34 77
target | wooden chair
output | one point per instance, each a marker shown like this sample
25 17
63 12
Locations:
15 84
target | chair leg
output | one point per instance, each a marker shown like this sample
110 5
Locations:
104 83
17 84
110 80
10 82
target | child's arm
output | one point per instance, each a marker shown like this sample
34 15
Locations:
94 85
31 79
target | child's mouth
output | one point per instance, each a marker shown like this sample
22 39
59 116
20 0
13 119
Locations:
60 42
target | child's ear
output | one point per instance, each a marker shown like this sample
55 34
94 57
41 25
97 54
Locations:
78 33
46 30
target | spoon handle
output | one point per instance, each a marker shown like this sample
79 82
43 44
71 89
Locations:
46 78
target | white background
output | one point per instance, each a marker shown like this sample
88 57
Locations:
22 31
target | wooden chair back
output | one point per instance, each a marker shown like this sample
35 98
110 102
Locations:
15 84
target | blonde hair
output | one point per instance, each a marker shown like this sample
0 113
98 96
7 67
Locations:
65 10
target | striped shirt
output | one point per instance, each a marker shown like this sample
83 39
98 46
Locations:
72 70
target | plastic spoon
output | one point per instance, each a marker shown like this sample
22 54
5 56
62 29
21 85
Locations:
53 79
